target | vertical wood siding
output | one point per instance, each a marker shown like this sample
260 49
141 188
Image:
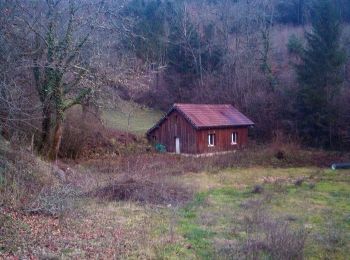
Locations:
194 141
176 126
222 139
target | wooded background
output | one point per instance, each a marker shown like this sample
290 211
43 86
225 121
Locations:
282 63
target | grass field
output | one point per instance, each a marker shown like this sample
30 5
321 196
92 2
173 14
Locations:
219 223
247 205
294 213
141 119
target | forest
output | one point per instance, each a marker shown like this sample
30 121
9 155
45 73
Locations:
82 81
283 63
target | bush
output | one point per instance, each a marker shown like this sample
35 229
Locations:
258 189
10 238
280 155
299 182
79 134
86 136
278 240
141 190
54 201
22 176
312 185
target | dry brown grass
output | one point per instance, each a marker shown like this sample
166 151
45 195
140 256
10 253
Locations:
253 156
122 203
90 138
267 237
154 178
22 177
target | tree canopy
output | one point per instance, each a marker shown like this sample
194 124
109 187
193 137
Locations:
320 75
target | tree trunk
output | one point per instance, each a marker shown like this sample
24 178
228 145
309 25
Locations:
84 111
57 137
4 131
45 127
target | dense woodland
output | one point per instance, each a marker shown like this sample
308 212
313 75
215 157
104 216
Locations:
283 63
81 81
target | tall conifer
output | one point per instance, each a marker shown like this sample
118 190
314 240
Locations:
320 76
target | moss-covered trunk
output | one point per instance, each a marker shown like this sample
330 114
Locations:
59 108
45 127
56 141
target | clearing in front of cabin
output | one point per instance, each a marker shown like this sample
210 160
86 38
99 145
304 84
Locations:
169 207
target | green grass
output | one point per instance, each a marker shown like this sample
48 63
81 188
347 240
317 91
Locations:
320 206
216 217
198 238
141 119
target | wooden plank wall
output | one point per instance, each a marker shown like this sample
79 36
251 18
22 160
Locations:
176 126
222 139
194 141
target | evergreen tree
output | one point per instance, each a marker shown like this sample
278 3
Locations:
292 11
149 32
320 76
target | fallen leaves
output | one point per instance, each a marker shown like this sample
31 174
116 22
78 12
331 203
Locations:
76 236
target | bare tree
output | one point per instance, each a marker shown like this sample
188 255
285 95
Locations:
60 31
17 114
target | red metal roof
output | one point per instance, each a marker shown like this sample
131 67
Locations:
213 115
207 116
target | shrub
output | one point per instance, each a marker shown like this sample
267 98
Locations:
299 182
312 185
277 240
258 189
54 201
280 155
142 190
86 136
280 186
79 134
10 238
22 176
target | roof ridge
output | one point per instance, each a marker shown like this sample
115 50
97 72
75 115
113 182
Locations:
202 104
208 115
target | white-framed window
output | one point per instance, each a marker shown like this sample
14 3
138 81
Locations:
211 140
234 138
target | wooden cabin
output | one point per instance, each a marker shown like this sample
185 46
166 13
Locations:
201 129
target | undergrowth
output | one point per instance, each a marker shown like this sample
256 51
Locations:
256 204
22 176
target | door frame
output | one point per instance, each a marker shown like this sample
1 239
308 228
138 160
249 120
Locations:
177 145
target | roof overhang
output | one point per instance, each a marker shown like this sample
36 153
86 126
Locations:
174 108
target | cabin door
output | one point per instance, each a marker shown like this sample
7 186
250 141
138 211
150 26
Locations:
177 145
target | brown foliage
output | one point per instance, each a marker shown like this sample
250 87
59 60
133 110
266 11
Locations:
85 136
22 176
145 191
